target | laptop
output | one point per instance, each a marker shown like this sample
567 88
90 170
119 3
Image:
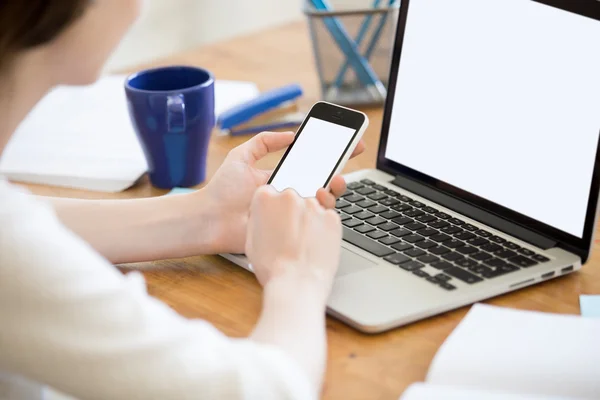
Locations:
487 174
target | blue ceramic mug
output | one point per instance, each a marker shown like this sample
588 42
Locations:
173 112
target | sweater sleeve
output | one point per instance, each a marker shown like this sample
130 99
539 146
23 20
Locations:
70 320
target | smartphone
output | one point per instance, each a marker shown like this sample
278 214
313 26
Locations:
322 146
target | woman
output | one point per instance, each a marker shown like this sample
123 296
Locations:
70 320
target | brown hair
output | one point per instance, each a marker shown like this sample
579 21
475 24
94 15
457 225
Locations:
25 24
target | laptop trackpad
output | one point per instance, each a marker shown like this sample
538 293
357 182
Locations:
351 262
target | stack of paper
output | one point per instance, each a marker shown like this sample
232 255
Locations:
498 353
82 137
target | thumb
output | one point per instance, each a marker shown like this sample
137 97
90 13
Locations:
261 145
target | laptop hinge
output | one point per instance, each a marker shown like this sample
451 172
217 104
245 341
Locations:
475 213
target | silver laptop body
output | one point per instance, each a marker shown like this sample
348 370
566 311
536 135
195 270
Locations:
487 176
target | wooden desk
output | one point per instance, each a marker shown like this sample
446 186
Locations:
360 366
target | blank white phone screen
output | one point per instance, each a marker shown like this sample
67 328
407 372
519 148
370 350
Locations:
313 157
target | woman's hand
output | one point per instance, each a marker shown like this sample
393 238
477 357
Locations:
293 239
230 191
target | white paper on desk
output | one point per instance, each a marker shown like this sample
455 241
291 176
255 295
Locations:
521 352
82 137
419 391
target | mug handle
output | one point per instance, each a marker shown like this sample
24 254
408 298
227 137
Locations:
175 114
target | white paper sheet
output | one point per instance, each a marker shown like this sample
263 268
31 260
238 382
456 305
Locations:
421 391
521 352
82 137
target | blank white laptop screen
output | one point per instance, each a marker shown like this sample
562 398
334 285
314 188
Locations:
501 98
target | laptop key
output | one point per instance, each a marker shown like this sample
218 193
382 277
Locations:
447 286
402 246
467 250
430 210
497 239
416 204
469 227
456 221
366 244
401 232
381 188
453 243
363 215
377 220
480 256
413 213
491 247
467 263
389 202
483 234
344 217
391 192
540 258
452 256
354 198
428 259
525 251
377 196
377 235
426 244
355 185
425 218
442 215
450 230
364 228
427 232
500 271
402 220
367 182
366 203
438 251
462 275
440 237
415 253
478 241
414 226
389 214
404 198
411 265
389 240
442 277
505 253
420 273
495 262
464 236
378 209
365 191
341 204
439 224
512 246
442 265
352 223
413 238
396 258
432 280
522 261
401 207
388 226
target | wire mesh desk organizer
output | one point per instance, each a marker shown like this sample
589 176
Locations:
352 48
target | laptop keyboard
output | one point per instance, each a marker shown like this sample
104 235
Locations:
412 235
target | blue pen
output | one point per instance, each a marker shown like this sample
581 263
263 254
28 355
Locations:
363 70
359 38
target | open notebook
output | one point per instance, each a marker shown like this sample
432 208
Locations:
504 354
82 137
